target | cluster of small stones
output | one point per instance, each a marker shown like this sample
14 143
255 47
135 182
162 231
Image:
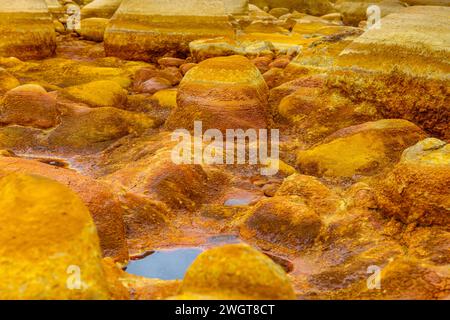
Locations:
91 90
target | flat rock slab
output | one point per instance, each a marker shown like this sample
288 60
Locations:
145 30
27 30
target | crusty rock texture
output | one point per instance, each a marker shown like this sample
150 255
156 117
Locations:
27 29
223 93
417 189
364 149
403 68
143 30
29 105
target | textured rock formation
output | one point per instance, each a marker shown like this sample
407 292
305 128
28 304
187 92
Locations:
414 40
224 93
158 177
47 239
284 221
360 150
84 128
313 192
315 111
145 30
236 272
103 205
100 9
29 105
408 60
27 29
417 189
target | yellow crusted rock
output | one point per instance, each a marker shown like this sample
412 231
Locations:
27 29
47 239
104 93
93 28
224 93
236 271
416 190
7 81
360 150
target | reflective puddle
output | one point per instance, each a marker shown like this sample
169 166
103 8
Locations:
172 264
164 264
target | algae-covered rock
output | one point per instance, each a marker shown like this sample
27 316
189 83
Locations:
49 245
236 271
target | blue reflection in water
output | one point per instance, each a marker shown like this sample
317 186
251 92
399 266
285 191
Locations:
234 202
165 264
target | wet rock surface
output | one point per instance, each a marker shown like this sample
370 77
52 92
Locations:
87 170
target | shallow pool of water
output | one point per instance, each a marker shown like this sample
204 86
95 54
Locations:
164 264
